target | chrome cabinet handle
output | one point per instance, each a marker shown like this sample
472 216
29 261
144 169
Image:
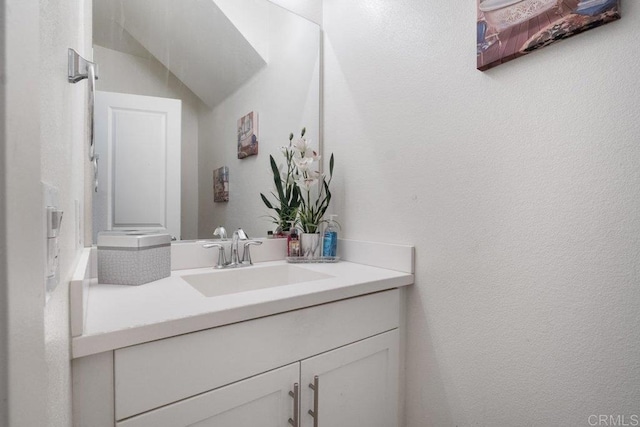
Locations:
296 397
316 390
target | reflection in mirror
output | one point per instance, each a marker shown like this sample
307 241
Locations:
218 60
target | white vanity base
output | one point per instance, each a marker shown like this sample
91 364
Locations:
234 360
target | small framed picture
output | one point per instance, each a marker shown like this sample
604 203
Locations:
248 135
221 184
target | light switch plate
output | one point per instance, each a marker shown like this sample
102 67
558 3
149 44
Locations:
50 210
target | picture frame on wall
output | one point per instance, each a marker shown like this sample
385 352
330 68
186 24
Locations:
221 184
508 29
248 135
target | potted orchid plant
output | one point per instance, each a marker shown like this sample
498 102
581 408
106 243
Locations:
313 186
315 197
303 193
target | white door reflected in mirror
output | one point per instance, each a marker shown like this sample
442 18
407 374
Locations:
138 143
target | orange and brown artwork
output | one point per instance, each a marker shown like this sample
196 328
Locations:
507 29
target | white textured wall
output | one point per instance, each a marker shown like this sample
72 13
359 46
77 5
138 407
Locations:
310 9
63 156
22 282
519 188
124 73
44 142
285 94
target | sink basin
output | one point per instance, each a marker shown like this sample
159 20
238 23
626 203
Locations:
224 282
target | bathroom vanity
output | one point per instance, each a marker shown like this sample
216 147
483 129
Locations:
318 345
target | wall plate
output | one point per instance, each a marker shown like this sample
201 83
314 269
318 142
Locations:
52 219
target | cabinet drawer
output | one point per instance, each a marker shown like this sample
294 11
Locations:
154 374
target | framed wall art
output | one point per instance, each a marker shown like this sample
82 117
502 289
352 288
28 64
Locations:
248 135
221 184
508 29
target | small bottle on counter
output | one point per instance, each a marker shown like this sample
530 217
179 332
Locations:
330 238
293 242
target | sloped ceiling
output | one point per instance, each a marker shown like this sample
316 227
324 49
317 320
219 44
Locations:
194 39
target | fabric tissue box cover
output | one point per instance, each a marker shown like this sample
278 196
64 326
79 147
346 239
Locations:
133 258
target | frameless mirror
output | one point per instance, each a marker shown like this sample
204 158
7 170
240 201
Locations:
193 96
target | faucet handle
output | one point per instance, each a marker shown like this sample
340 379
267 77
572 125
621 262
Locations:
220 232
240 234
246 254
222 257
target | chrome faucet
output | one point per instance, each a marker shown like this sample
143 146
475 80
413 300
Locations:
220 232
238 236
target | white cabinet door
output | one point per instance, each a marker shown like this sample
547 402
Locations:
262 400
357 385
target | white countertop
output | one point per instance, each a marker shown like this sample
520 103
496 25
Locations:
119 316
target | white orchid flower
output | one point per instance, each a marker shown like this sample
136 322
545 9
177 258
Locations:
306 183
303 163
301 146
311 174
304 156
311 154
315 175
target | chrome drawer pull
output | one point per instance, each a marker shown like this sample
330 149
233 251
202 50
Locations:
316 390
296 396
